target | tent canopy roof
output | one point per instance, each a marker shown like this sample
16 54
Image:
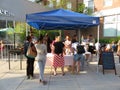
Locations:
61 19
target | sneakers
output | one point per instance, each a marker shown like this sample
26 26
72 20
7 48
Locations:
30 77
43 82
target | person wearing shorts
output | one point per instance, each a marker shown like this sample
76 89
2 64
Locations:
77 59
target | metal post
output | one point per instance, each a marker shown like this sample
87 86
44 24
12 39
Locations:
77 11
98 48
20 60
14 34
26 29
9 60
79 35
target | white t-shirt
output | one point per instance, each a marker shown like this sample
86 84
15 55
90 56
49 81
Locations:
74 45
41 51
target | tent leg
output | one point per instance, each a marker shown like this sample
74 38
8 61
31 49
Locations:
60 33
98 48
79 35
26 29
14 34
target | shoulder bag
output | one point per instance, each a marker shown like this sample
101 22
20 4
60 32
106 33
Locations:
30 52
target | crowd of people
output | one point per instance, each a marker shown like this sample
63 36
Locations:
82 52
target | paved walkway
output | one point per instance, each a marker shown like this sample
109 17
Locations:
89 79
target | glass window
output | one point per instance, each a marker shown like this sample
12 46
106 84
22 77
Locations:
91 5
118 25
111 26
10 24
69 5
108 3
109 19
118 18
118 29
2 24
110 30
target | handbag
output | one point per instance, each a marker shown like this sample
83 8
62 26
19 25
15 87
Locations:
30 52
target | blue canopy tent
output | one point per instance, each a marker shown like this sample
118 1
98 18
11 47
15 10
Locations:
61 19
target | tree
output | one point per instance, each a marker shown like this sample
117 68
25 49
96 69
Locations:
83 9
54 3
45 2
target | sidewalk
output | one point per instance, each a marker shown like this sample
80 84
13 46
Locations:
89 79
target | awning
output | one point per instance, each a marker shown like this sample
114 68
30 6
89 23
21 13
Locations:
19 9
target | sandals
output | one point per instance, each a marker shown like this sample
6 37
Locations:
54 74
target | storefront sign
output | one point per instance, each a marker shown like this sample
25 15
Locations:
5 13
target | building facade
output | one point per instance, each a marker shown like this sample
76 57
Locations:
109 13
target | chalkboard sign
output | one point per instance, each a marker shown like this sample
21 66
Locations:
108 61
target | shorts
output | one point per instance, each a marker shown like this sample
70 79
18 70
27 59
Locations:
78 57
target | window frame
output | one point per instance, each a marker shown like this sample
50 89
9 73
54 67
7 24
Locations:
107 3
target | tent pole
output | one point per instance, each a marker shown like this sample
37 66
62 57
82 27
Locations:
98 29
79 35
26 30
39 32
14 33
60 33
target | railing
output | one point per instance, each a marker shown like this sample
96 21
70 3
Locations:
5 52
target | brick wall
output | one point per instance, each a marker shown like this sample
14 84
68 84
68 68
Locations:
99 5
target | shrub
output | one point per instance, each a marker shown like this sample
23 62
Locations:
108 40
